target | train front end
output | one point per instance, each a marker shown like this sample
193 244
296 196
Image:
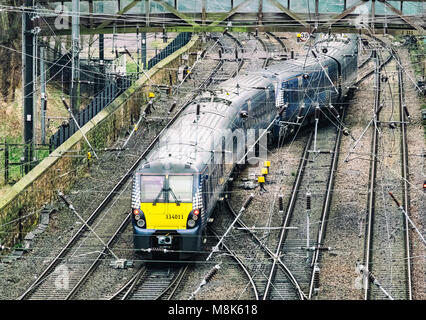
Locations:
166 213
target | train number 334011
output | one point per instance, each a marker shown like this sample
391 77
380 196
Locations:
174 216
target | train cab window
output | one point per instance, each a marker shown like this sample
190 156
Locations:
151 187
181 187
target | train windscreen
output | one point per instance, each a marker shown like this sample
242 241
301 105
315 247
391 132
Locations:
151 188
181 187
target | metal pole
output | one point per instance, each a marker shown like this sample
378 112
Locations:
373 14
138 49
308 212
6 163
317 108
35 54
143 51
28 85
75 76
43 105
101 60
316 14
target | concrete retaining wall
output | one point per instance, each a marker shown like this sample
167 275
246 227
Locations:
59 172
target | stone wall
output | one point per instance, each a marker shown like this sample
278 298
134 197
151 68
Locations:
59 172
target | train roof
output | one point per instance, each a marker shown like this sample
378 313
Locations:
190 142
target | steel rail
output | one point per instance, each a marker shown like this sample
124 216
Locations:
270 253
175 284
372 179
135 282
289 212
326 203
240 263
50 268
128 284
405 175
205 84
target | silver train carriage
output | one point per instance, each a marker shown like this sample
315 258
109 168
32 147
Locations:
178 184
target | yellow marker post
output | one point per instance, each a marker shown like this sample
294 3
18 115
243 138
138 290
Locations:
89 157
267 164
151 95
264 171
261 181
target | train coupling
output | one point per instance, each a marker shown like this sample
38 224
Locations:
164 240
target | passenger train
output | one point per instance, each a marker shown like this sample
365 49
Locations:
177 185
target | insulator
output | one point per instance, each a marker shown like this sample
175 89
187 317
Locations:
406 111
257 32
394 199
299 114
317 111
334 111
380 108
308 201
172 107
198 110
248 201
316 277
157 249
220 53
280 202
314 54
292 54
392 125
236 53
64 199
211 273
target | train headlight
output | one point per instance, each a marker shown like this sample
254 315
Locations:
137 217
141 223
194 217
191 223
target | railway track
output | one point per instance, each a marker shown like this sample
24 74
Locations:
301 249
254 257
368 72
270 46
152 282
71 267
387 242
